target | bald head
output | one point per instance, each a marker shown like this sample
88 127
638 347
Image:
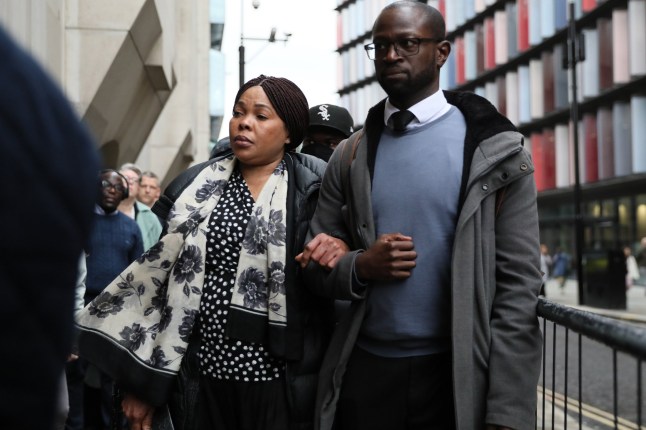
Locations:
432 17
410 47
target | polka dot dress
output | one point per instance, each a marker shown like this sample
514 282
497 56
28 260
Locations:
222 357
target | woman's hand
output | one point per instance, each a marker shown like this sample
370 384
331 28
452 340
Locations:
138 413
324 250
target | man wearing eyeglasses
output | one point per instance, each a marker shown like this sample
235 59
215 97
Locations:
439 210
115 242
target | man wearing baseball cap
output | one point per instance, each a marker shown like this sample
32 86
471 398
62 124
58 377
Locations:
329 125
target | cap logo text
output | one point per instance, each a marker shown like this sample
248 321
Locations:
323 113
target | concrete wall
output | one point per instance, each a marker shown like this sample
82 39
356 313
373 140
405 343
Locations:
135 70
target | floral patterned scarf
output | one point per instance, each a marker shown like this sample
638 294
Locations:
149 310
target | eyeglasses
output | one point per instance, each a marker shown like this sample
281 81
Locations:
119 188
405 47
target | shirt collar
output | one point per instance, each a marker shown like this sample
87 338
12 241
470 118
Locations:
99 211
425 111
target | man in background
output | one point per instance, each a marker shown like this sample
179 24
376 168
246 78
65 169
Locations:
149 188
114 244
329 125
48 186
147 221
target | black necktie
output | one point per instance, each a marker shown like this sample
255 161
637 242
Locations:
401 120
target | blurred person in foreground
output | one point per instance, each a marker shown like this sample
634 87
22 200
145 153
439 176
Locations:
329 125
48 167
149 188
439 210
221 294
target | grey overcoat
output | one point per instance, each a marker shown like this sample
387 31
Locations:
495 276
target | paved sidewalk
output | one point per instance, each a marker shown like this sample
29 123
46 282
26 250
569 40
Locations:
635 301
559 416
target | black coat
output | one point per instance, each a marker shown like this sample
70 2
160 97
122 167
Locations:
311 318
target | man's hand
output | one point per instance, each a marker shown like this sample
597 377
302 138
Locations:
324 250
138 413
391 257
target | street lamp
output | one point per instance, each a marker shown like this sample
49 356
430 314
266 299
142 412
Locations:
241 50
574 55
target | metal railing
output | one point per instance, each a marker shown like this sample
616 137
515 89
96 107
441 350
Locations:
600 399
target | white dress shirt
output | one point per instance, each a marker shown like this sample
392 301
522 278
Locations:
425 111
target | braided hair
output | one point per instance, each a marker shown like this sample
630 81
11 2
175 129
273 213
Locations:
289 102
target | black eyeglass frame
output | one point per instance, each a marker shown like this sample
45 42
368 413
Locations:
119 188
371 48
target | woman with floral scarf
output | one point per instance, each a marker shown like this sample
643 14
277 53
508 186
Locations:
221 292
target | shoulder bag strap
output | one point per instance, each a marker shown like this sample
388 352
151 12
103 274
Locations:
349 153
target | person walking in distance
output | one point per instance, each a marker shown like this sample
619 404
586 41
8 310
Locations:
546 266
632 270
436 199
561 267
640 257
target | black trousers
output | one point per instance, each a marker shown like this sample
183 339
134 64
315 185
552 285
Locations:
396 393
230 405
